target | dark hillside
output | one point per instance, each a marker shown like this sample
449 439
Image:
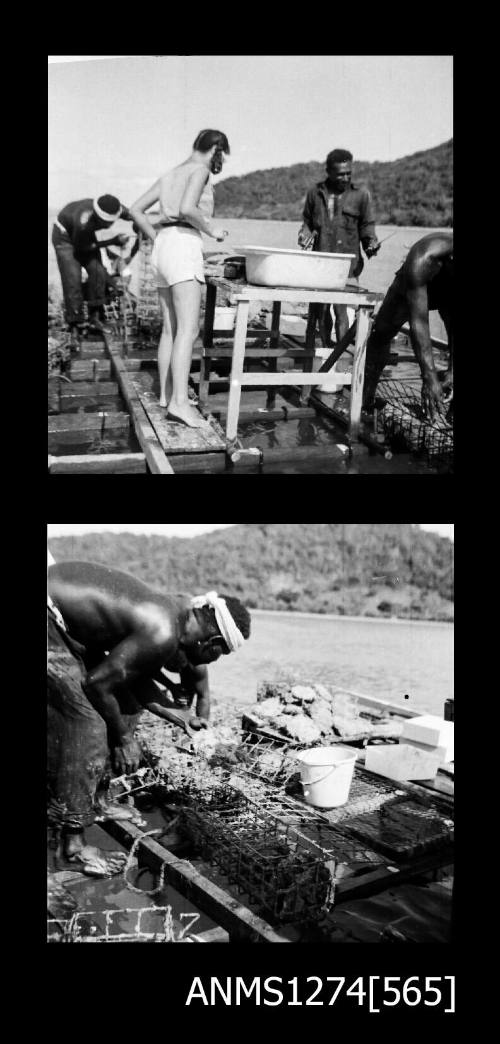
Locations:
353 569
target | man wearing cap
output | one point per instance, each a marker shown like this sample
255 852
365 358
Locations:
79 231
110 639
338 219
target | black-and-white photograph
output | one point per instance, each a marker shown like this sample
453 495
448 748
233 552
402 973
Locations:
250 264
251 734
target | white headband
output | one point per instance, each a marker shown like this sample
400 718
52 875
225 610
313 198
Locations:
102 213
227 627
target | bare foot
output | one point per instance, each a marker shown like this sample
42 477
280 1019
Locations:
186 414
164 403
96 863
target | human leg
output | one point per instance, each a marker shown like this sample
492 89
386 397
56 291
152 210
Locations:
77 755
166 344
341 321
71 278
96 287
186 297
388 322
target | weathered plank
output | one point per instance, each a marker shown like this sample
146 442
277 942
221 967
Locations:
199 463
86 428
233 408
379 880
279 413
177 437
294 377
358 371
98 464
229 913
90 370
95 350
146 435
89 393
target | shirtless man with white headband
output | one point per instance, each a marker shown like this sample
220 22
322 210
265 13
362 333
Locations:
115 635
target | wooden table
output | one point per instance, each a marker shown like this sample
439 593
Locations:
242 294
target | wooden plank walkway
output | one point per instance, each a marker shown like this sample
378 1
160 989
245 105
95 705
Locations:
145 433
174 437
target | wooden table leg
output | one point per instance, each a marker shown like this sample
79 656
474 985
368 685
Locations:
358 370
208 336
312 319
274 343
240 336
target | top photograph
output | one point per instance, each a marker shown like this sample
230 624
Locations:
250 264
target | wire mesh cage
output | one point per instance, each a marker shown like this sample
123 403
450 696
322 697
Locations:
148 924
404 422
283 878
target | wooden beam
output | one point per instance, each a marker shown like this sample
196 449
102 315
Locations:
382 878
89 393
158 463
237 369
295 378
279 413
199 463
230 914
86 428
90 370
274 340
314 455
99 464
339 349
358 371
208 335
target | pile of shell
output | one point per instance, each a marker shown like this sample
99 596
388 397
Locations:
309 713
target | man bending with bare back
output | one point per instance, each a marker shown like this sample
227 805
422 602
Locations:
110 637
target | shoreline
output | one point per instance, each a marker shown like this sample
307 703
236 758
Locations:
358 619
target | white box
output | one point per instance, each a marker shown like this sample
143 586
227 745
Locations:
443 752
400 761
431 730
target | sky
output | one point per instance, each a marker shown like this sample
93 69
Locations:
117 123
172 529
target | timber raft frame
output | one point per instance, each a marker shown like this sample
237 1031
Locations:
110 374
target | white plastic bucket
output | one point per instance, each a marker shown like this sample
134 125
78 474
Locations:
326 775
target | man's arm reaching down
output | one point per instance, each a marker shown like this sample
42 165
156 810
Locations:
195 680
432 393
132 658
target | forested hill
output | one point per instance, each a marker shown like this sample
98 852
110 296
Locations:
355 569
413 190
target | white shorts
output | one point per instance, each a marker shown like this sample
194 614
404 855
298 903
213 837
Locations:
177 256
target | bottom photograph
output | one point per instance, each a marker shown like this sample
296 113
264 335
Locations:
250 733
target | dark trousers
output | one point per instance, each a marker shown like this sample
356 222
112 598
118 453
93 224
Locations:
70 265
393 313
78 755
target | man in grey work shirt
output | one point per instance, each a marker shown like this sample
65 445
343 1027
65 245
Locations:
338 219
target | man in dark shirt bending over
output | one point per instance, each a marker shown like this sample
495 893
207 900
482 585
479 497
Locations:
79 231
110 637
423 283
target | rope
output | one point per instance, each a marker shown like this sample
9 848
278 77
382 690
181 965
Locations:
128 866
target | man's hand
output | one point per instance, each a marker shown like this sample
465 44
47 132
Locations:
372 248
219 234
127 757
432 397
306 238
